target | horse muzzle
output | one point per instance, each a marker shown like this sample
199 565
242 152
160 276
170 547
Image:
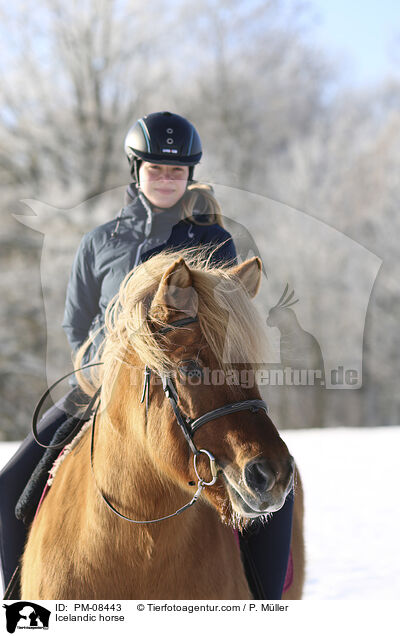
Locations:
258 489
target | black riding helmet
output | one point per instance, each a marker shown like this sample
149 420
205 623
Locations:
163 138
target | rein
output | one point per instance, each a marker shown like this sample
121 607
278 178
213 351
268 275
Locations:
85 417
187 425
201 484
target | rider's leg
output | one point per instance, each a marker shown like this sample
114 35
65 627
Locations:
267 549
13 479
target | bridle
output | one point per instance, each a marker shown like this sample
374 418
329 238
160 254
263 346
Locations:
187 425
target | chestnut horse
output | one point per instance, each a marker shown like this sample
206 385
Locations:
175 320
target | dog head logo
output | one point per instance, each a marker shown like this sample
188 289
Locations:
26 615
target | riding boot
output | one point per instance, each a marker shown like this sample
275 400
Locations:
266 549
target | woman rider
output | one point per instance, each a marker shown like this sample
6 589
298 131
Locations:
164 208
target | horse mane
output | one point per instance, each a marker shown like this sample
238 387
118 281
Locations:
221 298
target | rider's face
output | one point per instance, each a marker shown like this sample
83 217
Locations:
163 184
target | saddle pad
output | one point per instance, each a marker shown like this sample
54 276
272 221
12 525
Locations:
56 465
27 504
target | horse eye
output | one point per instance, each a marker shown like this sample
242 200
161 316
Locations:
191 370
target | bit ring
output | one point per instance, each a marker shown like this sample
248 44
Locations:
213 467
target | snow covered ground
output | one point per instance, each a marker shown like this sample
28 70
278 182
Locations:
350 478
352 501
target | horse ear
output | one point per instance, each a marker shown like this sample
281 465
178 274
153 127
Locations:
249 273
175 292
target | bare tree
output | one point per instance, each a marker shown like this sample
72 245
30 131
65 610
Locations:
74 76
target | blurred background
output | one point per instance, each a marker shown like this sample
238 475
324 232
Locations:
298 108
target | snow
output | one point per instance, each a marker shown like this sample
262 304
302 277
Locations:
352 522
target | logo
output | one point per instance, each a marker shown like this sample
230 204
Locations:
26 615
314 300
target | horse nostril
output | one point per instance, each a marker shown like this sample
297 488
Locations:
258 476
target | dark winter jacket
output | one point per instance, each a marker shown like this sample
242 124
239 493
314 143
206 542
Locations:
107 253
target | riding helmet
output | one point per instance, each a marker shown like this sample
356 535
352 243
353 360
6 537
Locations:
163 138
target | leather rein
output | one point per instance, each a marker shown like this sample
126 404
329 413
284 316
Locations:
187 425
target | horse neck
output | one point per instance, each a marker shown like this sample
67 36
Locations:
126 475
124 467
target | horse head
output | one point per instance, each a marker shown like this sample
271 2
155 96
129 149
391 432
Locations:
205 361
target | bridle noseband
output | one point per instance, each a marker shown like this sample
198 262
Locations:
188 425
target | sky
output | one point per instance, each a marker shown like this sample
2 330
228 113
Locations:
361 33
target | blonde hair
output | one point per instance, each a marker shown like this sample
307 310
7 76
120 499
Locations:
195 194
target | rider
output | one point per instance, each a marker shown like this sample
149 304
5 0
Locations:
163 208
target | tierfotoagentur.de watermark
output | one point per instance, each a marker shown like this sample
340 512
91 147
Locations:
313 298
250 378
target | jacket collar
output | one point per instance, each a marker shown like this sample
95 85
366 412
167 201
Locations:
138 213
136 202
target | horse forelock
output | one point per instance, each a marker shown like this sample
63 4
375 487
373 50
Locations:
229 321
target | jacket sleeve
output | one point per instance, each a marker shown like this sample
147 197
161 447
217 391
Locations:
83 293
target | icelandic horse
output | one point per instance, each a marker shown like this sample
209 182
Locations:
163 427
